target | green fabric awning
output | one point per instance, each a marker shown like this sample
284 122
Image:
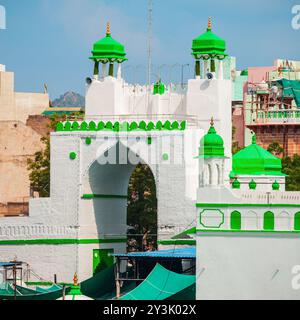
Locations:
291 88
162 284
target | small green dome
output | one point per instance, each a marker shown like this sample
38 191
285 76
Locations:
159 88
209 45
252 185
236 184
275 186
244 72
254 160
212 145
108 49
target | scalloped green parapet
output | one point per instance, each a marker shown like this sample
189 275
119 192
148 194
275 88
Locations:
175 125
109 125
183 125
75 126
68 126
101 126
84 126
92 126
134 126
73 155
151 126
117 126
159 125
59 127
167 125
143 125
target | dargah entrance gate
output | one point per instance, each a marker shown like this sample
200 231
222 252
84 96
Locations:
184 135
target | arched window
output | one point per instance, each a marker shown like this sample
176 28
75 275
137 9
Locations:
297 221
269 222
235 220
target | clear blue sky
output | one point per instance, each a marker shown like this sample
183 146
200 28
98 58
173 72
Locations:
49 41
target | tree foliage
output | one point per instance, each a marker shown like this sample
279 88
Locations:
276 149
39 168
142 210
291 167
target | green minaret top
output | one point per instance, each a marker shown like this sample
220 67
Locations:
211 145
108 50
208 45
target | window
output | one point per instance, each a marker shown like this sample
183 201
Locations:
235 220
269 221
297 221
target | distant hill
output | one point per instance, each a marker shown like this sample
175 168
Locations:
69 99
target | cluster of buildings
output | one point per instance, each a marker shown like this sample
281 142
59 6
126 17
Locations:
232 210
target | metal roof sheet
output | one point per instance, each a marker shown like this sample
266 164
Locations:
182 253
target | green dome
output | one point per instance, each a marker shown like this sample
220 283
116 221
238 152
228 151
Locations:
244 72
254 160
209 45
108 49
212 145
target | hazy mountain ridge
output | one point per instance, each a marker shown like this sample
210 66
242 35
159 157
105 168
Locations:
69 99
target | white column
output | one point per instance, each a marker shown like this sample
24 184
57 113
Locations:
119 73
221 70
104 73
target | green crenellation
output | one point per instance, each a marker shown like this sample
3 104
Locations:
120 127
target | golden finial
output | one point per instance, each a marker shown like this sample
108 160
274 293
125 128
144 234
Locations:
75 279
108 28
209 25
212 122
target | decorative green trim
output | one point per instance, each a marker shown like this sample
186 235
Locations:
228 205
104 196
60 241
88 140
246 231
297 221
119 127
165 157
235 220
269 221
177 242
221 222
73 155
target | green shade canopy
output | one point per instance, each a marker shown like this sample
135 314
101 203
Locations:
254 160
108 49
211 145
161 284
208 45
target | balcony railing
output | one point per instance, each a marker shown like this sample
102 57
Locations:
275 117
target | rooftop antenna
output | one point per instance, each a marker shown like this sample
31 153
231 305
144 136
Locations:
150 20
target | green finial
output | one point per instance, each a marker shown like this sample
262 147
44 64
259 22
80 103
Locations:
254 140
209 24
275 186
252 185
108 29
236 184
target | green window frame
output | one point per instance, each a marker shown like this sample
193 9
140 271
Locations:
269 221
297 221
235 220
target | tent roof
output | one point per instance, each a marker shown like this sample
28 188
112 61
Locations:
161 284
